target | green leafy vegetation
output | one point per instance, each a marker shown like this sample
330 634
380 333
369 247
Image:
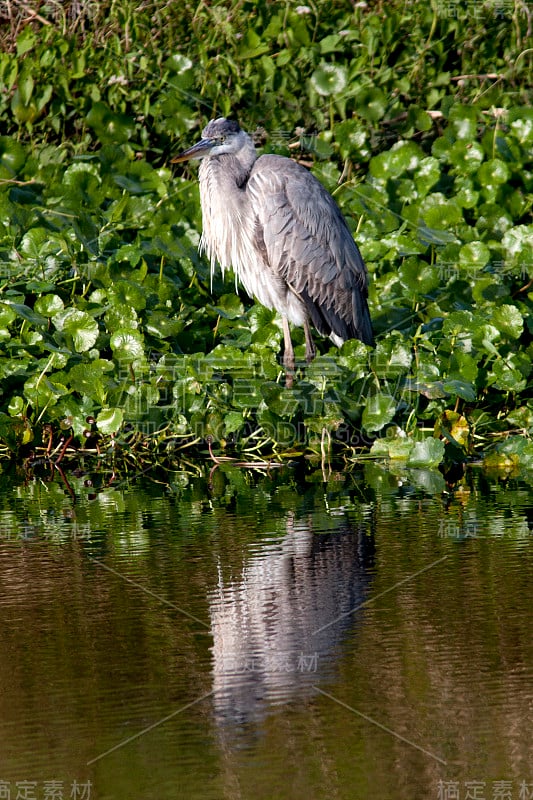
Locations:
417 117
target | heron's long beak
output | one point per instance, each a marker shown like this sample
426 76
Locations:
198 150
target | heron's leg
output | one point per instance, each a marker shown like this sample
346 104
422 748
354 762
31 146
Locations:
310 350
288 356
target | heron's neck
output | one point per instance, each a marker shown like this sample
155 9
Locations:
230 170
223 179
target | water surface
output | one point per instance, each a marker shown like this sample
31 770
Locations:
266 636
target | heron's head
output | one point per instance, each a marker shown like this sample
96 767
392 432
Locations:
219 136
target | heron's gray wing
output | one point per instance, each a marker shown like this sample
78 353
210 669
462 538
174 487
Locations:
306 241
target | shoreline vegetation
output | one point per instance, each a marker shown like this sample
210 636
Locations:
114 345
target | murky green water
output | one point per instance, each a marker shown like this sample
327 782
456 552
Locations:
266 637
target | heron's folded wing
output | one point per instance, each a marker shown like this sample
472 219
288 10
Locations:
306 240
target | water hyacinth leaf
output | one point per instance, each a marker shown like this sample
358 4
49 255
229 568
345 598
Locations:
419 119
78 325
25 85
401 158
329 79
87 379
463 366
234 421
140 404
391 357
458 388
281 401
37 243
181 71
121 317
379 411
427 174
178 63
109 420
127 345
49 305
91 219
467 196
503 376
246 392
517 244
229 306
474 255
139 178
393 447
484 336
159 324
7 314
131 253
371 103
464 120
432 390
440 213
523 127
515 451
329 44
433 236
508 320
521 418
16 406
268 336
41 391
87 232
427 453
493 173
354 357
127 293
109 126
418 276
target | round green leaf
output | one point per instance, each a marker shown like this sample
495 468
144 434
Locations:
418 276
127 345
508 320
427 453
16 406
493 172
178 63
329 79
440 213
234 421
401 158
127 293
378 412
41 391
109 420
80 326
518 244
427 174
109 126
474 255
49 305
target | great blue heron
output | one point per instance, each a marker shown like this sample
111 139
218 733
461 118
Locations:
272 221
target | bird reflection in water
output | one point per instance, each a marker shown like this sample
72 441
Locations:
278 629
